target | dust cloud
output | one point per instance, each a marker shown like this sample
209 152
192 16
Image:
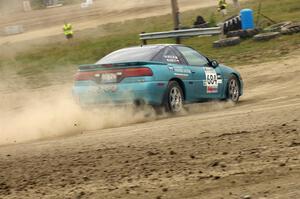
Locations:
31 114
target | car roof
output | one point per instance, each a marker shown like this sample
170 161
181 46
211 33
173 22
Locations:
155 46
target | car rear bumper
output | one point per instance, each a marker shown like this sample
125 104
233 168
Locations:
87 94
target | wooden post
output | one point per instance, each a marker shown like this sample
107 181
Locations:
258 12
144 41
175 13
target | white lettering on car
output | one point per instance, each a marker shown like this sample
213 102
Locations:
171 59
180 71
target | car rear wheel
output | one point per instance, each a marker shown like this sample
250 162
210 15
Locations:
173 100
233 89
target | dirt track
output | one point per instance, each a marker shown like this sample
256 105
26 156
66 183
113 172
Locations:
217 150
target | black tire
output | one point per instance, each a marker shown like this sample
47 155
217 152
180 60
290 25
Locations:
252 32
231 24
277 27
227 42
291 29
266 36
235 33
173 98
287 32
243 33
233 89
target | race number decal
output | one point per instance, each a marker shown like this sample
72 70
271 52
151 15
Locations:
211 80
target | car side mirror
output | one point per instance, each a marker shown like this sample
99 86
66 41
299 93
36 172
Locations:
214 63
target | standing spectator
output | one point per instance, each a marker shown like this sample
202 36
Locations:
68 30
222 7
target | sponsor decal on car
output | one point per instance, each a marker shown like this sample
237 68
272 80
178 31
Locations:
180 71
171 68
212 80
171 58
181 75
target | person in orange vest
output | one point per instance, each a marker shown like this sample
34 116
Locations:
222 7
68 30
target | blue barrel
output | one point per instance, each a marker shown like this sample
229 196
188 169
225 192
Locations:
247 19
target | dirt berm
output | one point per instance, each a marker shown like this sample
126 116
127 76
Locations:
217 150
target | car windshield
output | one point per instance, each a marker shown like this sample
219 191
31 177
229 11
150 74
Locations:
133 54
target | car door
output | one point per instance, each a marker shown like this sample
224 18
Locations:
208 81
177 68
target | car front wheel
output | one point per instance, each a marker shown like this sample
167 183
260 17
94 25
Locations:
233 89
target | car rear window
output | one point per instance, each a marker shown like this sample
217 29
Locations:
141 53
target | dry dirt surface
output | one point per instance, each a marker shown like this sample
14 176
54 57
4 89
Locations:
215 150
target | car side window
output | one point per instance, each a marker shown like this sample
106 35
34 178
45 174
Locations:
192 57
167 55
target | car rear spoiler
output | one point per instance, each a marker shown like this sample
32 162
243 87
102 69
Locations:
116 65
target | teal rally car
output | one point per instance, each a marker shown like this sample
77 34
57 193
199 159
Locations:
162 75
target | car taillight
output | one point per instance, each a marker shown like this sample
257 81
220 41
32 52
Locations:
81 76
136 72
120 74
